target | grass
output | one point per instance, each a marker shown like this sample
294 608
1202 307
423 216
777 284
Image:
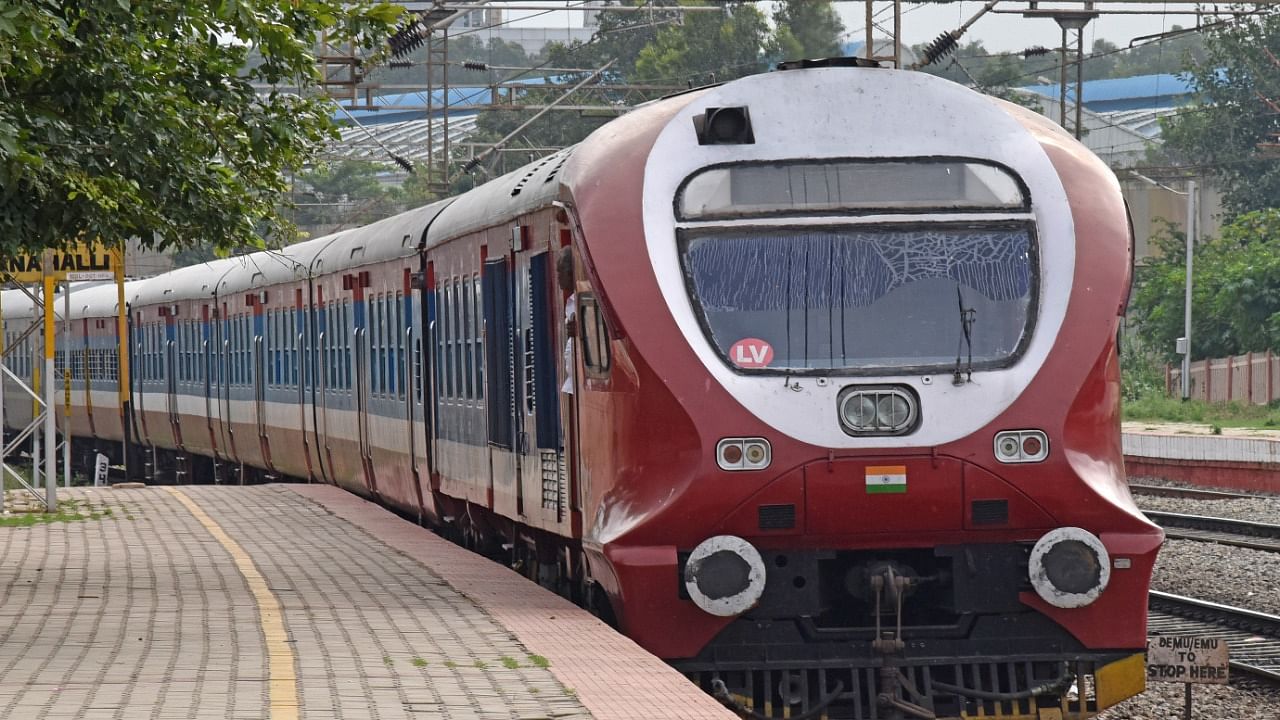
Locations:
539 662
68 511
509 663
1158 408
482 664
450 664
420 663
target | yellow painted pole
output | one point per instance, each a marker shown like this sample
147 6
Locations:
50 388
122 354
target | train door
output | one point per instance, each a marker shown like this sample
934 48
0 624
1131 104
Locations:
209 375
171 381
500 370
538 416
260 383
363 371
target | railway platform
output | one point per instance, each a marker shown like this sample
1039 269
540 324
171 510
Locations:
286 602
1245 459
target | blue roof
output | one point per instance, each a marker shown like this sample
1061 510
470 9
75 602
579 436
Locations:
1138 92
463 100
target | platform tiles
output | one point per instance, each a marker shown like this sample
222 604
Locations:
295 603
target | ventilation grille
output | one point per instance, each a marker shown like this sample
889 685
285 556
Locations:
777 517
990 512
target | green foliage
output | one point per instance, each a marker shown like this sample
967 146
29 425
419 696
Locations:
1142 371
139 118
1235 290
342 194
664 51
806 29
1159 408
706 46
1239 74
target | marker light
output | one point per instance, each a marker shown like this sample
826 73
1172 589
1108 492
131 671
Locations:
1021 446
743 454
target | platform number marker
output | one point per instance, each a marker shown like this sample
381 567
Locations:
883 479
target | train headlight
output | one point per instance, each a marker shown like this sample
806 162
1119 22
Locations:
724 575
1069 567
877 410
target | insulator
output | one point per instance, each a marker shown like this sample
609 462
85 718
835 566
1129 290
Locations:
1035 51
407 39
397 64
473 65
408 166
942 46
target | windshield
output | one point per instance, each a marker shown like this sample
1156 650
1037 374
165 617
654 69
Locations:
788 299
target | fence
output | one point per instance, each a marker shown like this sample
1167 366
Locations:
1252 378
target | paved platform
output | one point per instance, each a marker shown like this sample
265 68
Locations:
1241 458
286 602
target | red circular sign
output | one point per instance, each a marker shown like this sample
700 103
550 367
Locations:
751 353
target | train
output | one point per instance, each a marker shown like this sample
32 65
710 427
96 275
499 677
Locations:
808 382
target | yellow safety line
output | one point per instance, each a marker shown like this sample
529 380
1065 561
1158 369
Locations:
282 679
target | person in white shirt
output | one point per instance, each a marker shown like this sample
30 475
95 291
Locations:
564 277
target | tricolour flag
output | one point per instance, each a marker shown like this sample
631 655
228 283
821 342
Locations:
886 479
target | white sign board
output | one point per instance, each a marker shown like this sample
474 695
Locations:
1187 659
100 470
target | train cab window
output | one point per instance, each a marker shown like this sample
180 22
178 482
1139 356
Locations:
910 185
594 335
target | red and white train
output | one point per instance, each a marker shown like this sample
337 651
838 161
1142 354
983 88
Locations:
833 429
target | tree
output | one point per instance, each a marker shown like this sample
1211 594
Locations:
139 118
707 46
1238 86
806 29
1235 293
341 194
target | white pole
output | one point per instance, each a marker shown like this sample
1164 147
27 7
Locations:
4 509
50 394
1186 318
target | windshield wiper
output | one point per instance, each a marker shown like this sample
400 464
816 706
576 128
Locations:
967 317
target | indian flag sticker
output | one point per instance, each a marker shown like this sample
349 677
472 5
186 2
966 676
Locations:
886 479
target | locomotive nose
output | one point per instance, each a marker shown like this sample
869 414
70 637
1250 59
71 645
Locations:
725 575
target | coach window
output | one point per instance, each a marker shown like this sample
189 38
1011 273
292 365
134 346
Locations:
437 338
595 337
468 366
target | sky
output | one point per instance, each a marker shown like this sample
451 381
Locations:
921 22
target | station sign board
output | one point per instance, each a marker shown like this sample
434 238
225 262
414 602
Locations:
84 261
1187 659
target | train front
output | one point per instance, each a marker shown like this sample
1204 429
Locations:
881 475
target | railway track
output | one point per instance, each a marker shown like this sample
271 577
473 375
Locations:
1193 493
1224 531
1253 637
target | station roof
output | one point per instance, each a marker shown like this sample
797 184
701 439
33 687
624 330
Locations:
1140 92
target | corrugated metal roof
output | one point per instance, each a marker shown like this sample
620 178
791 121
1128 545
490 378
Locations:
1131 93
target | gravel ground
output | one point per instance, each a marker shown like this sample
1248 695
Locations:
1263 509
1164 701
1231 575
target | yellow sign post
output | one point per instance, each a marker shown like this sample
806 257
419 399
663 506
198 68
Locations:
85 261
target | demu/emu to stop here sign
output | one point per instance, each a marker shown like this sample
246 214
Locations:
1187 659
